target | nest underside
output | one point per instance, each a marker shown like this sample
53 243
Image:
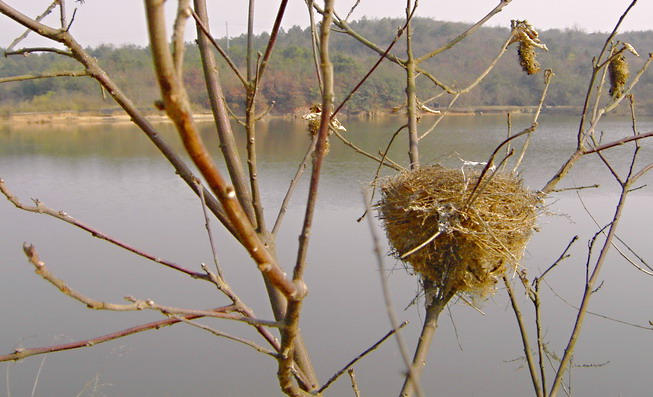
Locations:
469 244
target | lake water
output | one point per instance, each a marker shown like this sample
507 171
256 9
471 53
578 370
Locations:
111 177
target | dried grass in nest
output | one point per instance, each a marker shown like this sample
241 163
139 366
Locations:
475 244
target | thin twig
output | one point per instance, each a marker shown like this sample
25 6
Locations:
360 356
28 30
378 169
41 208
293 184
31 50
207 35
440 117
589 288
21 353
220 115
290 332
91 65
548 76
523 332
178 45
490 162
354 384
43 76
178 109
387 162
227 336
387 298
383 56
466 33
62 13
207 225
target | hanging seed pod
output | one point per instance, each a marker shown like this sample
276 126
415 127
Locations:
528 40
527 60
619 74
313 119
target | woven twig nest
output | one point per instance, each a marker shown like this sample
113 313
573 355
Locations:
460 245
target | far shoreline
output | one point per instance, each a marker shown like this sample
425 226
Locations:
114 116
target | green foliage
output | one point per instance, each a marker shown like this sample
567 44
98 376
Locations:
291 80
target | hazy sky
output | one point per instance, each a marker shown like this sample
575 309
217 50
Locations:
122 21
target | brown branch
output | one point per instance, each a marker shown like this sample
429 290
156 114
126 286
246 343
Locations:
41 208
290 332
387 298
26 51
293 184
589 290
169 311
383 56
62 13
42 270
137 304
548 76
433 309
178 109
220 114
37 19
273 275
91 65
227 336
178 45
534 295
524 337
387 163
22 353
207 34
272 41
43 76
359 357
466 33
411 92
490 161
354 384
618 142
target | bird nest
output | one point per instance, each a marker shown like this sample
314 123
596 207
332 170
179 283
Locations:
460 236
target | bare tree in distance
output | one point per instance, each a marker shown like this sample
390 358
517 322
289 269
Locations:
234 198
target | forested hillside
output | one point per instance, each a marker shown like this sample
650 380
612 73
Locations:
291 83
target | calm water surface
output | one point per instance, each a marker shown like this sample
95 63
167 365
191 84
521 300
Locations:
111 177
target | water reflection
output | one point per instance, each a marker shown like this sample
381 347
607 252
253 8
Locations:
113 178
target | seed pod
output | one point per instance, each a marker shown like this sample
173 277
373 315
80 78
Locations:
529 40
619 73
527 60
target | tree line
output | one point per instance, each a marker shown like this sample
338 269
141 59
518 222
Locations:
289 87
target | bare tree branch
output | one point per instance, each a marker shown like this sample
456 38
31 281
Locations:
43 76
525 339
41 208
227 336
360 356
178 109
28 31
22 353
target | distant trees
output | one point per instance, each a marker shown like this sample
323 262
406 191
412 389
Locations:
289 86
